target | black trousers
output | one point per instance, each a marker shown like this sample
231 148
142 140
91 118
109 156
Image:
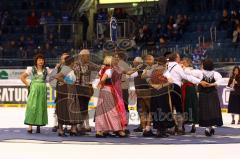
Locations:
176 96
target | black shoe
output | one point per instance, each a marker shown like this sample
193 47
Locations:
73 134
162 134
193 130
100 136
207 133
233 122
38 130
148 134
62 135
54 129
179 132
138 129
66 131
29 131
121 135
127 132
109 134
212 131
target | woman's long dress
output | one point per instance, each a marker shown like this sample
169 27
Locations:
117 79
209 104
234 99
108 116
190 103
36 111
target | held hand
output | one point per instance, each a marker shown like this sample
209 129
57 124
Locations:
170 80
57 65
99 86
204 84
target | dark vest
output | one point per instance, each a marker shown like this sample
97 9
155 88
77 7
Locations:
207 89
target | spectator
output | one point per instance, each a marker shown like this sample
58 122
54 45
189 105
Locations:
42 18
50 18
170 29
224 21
33 22
101 17
85 22
140 38
171 20
51 40
179 19
49 51
5 21
11 49
22 42
175 32
234 19
160 33
236 36
30 43
147 32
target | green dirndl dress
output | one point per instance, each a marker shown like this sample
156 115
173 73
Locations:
36 111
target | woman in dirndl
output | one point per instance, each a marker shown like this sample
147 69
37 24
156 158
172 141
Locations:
36 111
209 105
67 106
234 99
110 115
189 95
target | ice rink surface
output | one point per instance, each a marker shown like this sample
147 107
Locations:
15 143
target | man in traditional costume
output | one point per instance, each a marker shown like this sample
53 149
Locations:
83 69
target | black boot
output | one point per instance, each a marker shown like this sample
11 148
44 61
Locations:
148 133
162 134
193 130
212 131
38 129
208 133
138 129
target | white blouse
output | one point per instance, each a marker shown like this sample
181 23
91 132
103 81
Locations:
217 76
108 72
29 71
177 74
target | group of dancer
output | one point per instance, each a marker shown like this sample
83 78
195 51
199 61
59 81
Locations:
166 89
